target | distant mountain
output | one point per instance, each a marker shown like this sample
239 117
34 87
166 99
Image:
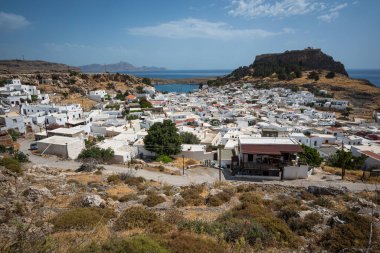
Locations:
30 67
116 67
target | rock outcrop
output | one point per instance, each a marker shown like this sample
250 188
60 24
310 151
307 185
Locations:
307 59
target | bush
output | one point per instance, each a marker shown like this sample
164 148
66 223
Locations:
218 199
127 197
288 212
313 75
251 198
11 164
90 167
188 243
135 217
82 218
134 181
136 244
324 202
153 200
330 75
352 235
99 154
301 226
189 138
191 196
160 227
21 157
14 134
115 179
164 159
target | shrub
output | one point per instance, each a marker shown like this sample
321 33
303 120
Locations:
164 159
134 181
160 227
82 218
14 134
153 200
135 217
352 235
251 198
21 157
288 212
11 164
136 244
188 243
324 202
114 178
330 75
301 226
90 167
99 154
127 197
218 199
191 196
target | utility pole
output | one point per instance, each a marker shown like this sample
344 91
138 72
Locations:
220 162
344 164
183 165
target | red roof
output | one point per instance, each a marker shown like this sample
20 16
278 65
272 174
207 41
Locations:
131 97
270 149
371 154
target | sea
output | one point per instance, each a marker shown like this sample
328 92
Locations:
373 75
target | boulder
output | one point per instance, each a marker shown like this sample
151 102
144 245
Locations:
93 200
34 193
215 191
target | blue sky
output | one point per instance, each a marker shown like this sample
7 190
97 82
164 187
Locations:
188 34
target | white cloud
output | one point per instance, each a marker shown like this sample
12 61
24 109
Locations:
197 28
332 13
263 8
329 17
12 21
339 7
285 8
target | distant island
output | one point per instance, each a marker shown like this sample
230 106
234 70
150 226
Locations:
116 67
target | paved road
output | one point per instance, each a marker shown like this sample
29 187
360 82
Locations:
200 175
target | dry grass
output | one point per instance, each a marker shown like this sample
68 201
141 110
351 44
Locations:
178 162
70 240
85 178
120 190
164 171
86 103
353 175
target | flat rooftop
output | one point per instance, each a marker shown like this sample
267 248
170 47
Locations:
267 140
60 140
63 130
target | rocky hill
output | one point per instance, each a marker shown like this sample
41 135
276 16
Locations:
72 87
115 67
28 67
307 59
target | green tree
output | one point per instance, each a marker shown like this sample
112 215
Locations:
330 75
163 139
34 98
99 154
313 75
14 134
310 156
345 159
120 96
147 81
189 138
145 103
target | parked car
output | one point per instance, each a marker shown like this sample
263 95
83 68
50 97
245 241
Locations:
33 146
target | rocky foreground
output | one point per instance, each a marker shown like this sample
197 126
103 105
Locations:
49 210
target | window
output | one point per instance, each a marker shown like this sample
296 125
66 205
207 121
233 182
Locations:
315 143
250 158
